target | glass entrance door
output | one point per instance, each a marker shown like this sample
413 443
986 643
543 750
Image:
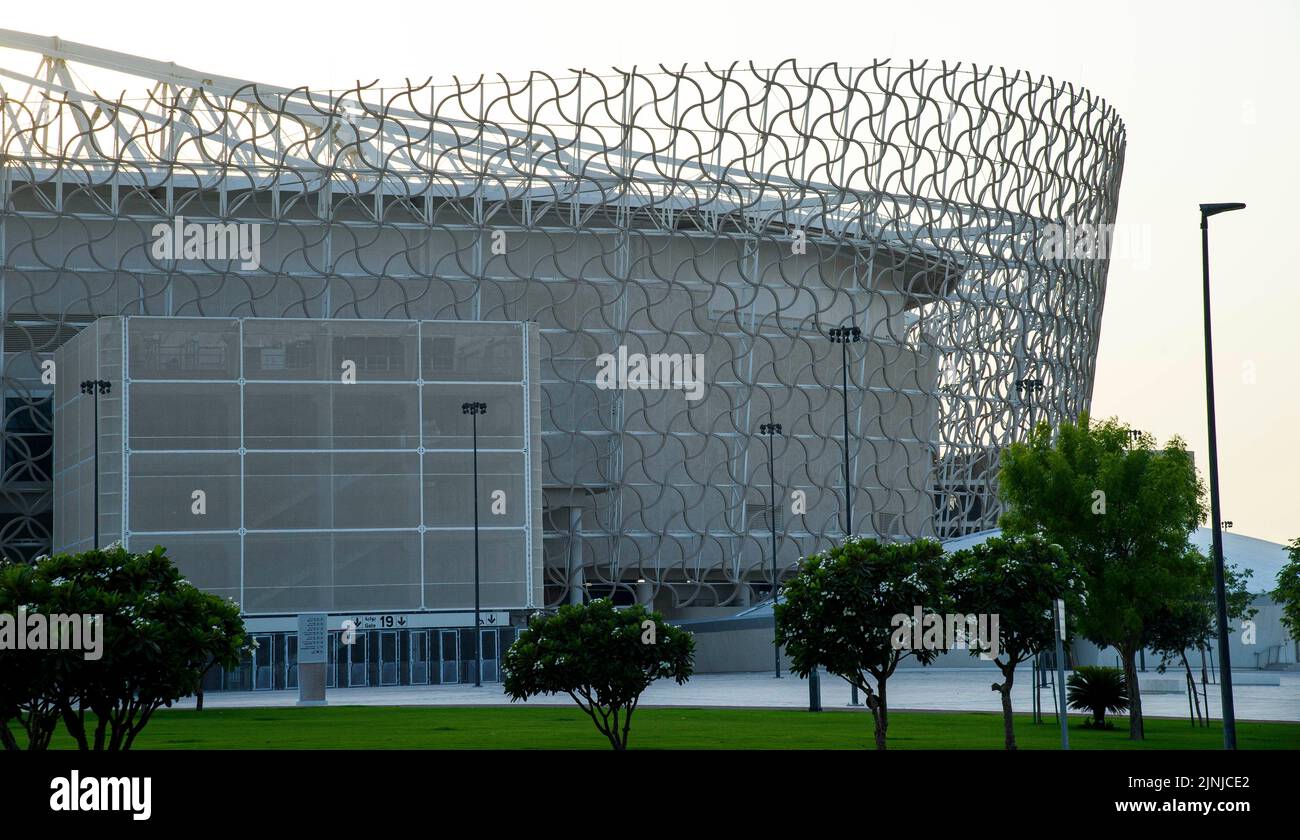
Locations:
488 640
388 657
357 660
291 661
263 662
420 657
449 660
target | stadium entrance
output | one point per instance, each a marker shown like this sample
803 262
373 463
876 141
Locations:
434 656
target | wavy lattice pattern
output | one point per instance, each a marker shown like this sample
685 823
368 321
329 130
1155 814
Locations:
732 212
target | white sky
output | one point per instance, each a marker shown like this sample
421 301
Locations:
1208 92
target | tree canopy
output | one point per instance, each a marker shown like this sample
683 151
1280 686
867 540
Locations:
159 634
838 612
1122 509
1018 579
602 656
1287 592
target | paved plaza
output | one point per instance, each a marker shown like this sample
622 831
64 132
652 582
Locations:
948 689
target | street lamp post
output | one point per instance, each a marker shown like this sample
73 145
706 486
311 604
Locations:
770 430
474 409
1220 595
95 387
1058 619
843 336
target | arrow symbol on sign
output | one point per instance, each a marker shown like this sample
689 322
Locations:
402 620
492 619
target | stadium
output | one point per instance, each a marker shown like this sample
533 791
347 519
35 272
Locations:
853 253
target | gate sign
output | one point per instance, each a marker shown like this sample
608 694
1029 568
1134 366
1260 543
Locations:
311 638
377 621
413 621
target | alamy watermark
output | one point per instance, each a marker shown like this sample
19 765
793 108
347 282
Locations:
946 631
132 794
656 371
211 241
1088 241
41 632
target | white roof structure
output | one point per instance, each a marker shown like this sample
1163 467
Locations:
1264 559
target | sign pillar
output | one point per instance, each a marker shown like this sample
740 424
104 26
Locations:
312 636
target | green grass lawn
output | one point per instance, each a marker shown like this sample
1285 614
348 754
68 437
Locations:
542 727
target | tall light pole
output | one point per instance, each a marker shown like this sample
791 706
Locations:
1058 619
770 430
95 387
1220 595
843 336
474 409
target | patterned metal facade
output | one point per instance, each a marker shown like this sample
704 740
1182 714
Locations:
733 215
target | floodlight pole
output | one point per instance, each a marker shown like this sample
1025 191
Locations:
474 409
1220 593
842 336
1058 610
95 387
770 430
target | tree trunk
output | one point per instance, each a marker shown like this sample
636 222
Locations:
1135 732
611 732
879 712
1008 725
198 695
75 723
101 729
39 738
1205 688
1191 685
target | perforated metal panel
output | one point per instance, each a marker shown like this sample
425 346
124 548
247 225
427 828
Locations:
338 477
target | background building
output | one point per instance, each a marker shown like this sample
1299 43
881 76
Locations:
743 642
732 212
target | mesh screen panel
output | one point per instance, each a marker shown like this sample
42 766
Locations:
332 490
324 482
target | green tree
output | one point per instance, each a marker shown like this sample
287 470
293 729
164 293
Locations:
1190 622
602 657
1018 579
840 609
159 633
31 681
1287 593
1123 510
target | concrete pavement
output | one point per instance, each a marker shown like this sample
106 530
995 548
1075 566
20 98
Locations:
948 689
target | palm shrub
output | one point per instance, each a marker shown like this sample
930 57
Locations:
1097 689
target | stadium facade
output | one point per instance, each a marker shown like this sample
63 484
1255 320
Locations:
704 228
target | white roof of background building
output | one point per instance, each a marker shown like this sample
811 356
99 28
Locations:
1265 559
